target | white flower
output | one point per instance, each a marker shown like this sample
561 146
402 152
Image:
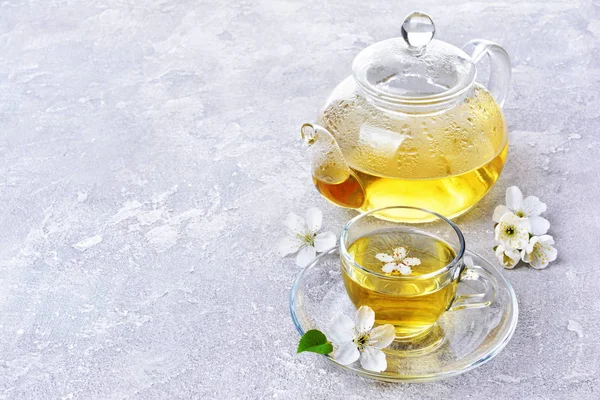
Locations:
539 251
512 232
529 209
508 257
398 261
302 235
358 339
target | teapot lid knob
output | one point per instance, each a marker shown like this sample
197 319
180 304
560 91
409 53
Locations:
418 30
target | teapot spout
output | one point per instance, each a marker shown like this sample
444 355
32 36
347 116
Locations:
331 174
328 164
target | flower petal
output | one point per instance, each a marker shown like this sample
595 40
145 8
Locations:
364 319
324 241
498 234
539 225
305 256
500 255
550 255
532 206
511 258
528 250
373 359
340 330
314 219
507 257
512 232
523 223
382 336
405 270
399 253
295 224
540 251
289 245
499 212
346 354
514 197
547 239
522 236
537 263
411 261
384 257
389 267
525 255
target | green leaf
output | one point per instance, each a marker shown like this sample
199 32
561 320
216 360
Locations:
314 341
495 247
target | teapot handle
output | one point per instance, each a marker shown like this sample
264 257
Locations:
499 81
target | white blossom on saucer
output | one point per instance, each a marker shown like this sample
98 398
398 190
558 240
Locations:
529 208
398 261
512 232
302 237
358 339
539 251
508 257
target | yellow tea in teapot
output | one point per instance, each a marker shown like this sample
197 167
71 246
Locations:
414 305
444 162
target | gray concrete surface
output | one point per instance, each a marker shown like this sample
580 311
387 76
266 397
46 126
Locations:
149 151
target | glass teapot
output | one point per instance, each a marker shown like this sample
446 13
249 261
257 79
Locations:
412 127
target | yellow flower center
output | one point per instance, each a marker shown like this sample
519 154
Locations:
538 253
308 238
362 340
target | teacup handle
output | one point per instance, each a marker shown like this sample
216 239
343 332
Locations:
499 80
479 300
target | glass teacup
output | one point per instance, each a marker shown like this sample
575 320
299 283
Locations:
409 274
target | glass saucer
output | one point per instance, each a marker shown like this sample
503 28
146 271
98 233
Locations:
462 340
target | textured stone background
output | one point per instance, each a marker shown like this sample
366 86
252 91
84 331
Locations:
149 151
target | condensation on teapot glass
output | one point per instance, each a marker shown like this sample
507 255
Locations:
418 30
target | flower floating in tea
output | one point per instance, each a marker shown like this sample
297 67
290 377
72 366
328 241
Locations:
352 340
398 261
521 231
302 237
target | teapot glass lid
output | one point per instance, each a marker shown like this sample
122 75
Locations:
414 68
